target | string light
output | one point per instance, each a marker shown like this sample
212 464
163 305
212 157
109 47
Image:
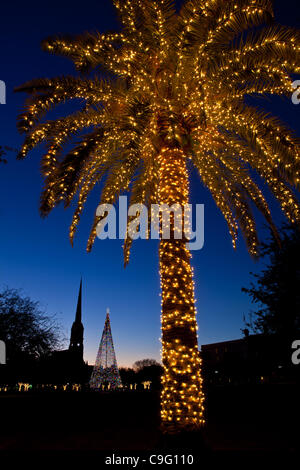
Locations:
182 397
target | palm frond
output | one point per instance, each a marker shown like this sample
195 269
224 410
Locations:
177 81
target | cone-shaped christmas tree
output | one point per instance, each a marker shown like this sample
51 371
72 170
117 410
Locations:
106 373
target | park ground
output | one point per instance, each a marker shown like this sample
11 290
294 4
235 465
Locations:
257 419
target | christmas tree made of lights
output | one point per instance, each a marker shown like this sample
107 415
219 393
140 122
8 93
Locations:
106 373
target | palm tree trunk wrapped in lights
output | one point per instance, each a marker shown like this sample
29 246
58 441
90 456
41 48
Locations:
174 89
182 397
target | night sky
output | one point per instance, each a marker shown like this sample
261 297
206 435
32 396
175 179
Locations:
35 254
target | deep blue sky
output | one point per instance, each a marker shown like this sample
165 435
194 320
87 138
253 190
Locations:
35 254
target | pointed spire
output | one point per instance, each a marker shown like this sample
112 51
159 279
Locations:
76 340
78 310
107 314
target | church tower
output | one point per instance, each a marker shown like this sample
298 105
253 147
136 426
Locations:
76 340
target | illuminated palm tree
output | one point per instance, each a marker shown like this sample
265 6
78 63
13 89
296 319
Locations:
168 89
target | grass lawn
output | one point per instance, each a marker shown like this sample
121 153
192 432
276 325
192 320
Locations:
260 418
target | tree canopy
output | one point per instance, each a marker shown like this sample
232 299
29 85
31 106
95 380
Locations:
276 289
25 328
138 365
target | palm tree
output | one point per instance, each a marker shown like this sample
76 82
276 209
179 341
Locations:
168 91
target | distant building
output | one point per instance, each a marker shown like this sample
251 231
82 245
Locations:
68 365
252 359
76 340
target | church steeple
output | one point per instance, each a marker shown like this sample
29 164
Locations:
76 340
78 310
